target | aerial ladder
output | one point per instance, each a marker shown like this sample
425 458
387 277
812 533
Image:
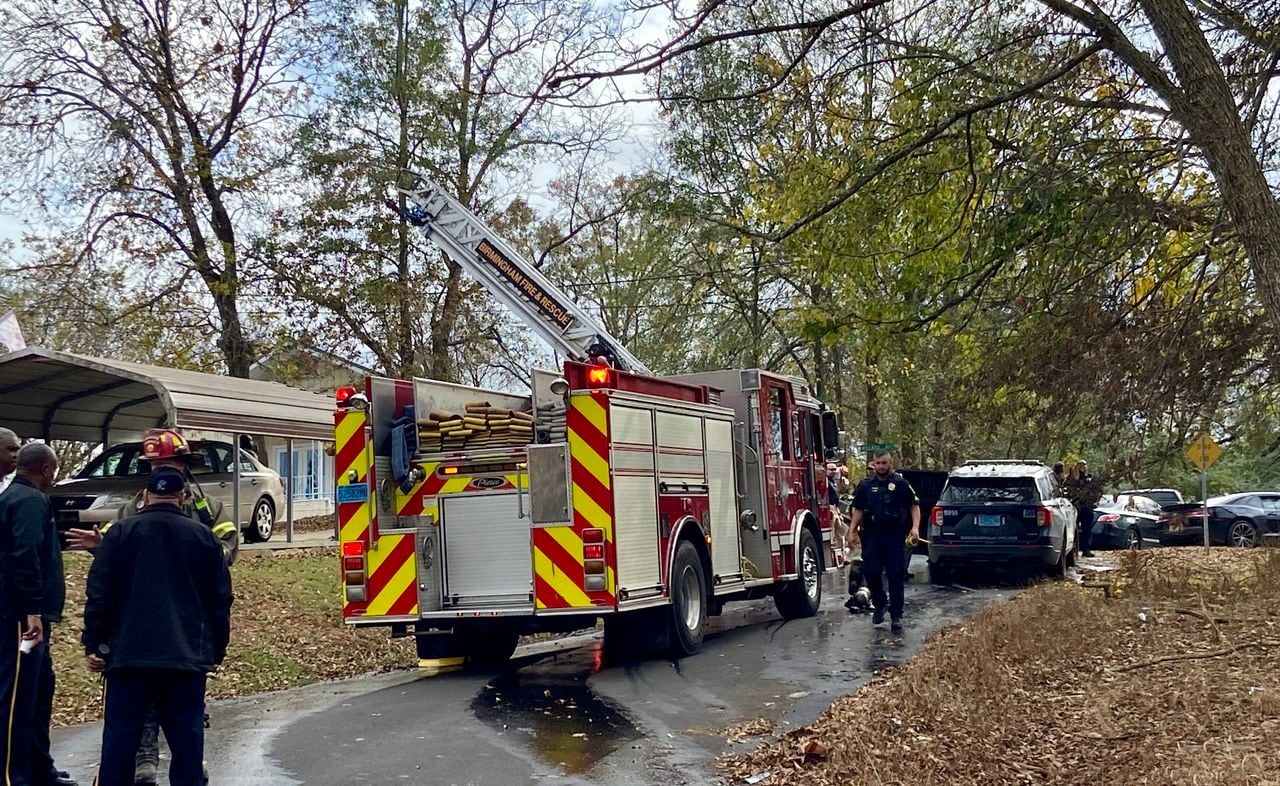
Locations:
511 278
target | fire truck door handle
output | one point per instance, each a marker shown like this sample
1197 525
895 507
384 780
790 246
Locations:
740 453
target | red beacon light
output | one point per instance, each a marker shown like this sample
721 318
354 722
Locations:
351 398
599 376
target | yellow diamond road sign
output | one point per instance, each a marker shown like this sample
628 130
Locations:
1203 451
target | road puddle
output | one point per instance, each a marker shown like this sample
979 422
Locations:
555 715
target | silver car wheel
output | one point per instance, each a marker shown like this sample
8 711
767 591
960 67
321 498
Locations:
264 519
1243 535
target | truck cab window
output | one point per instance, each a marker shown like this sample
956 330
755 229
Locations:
781 444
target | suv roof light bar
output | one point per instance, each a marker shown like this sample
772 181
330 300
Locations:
1006 462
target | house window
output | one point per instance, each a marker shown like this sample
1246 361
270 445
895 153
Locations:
308 473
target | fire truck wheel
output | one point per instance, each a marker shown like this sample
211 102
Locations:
490 647
688 601
437 645
801 597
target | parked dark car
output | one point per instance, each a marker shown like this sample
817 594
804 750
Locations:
1234 520
1126 521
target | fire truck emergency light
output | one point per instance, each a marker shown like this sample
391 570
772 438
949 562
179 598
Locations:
598 376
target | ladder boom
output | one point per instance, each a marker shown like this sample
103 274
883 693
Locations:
513 280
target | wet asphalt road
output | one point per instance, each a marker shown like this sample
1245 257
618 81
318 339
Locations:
559 714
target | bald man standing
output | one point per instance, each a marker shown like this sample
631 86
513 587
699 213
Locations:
31 592
9 446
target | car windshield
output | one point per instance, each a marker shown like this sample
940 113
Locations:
1016 490
120 461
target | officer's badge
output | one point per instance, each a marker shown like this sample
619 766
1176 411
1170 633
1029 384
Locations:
892 486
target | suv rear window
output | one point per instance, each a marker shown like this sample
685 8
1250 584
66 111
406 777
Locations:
965 490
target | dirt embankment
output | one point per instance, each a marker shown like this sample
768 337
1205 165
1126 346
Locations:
1170 674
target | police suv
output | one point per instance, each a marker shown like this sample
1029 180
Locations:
1005 512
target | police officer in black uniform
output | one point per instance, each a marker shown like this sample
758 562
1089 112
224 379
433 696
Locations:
885 510
157 619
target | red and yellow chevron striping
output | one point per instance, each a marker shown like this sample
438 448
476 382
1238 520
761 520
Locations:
391 586
559 579
420 499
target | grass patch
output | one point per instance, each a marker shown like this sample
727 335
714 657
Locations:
1063 685
286 630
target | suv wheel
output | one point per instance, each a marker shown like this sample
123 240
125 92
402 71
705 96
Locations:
1059 569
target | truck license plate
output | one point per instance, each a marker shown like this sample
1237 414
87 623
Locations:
356 492
989 520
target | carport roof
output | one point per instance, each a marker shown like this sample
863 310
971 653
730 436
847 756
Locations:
58 395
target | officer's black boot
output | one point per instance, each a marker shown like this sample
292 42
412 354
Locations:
144 773
878 617
896 626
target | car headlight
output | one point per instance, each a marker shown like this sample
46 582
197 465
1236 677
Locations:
111 500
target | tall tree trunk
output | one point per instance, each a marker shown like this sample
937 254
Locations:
443 323
873 413
1205 105
224 284
406 352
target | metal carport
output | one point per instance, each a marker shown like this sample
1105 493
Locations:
58 395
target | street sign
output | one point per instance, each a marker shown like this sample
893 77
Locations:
872 448
1203 451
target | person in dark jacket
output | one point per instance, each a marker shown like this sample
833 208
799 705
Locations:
166 448
885 511
31 591
157 620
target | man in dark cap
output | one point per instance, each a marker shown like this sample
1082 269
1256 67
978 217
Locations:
157 620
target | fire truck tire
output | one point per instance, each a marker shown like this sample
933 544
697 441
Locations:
636 634
489 647
801 597
688 601
436 646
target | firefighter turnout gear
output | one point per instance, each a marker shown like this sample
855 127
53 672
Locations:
202 510
167 444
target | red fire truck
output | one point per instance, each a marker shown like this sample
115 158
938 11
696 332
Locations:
469 517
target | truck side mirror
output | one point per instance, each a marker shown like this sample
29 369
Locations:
830 432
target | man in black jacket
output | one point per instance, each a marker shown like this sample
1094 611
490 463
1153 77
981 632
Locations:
31 590
157 619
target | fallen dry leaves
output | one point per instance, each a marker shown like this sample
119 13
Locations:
286 630
1064 685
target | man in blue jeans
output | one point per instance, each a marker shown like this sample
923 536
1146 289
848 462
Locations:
885 510
157 619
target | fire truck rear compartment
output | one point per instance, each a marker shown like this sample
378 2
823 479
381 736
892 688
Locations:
486 552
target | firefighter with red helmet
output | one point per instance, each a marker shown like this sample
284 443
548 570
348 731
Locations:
167 448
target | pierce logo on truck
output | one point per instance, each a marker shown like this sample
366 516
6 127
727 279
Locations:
488 482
